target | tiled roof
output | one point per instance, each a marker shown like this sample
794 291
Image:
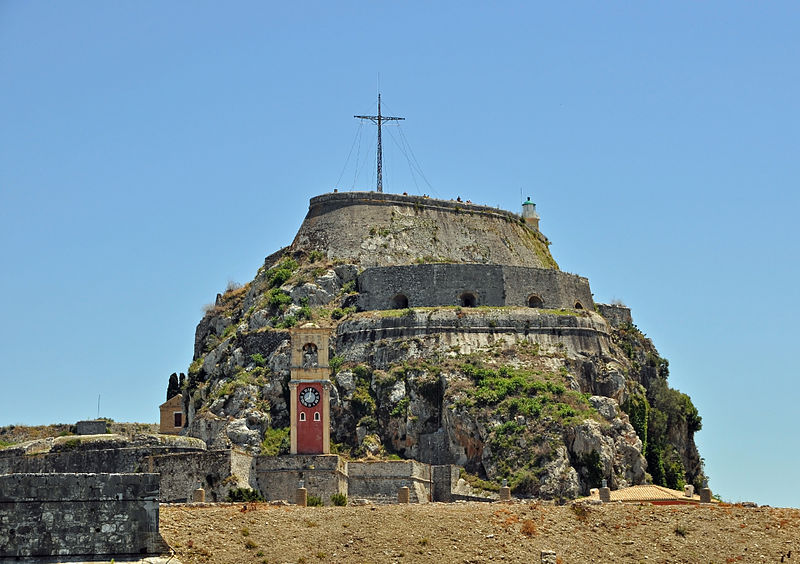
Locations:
648 493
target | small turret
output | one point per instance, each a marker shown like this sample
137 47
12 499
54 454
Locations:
529 214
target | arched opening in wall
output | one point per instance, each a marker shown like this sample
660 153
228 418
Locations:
578 305
316 416
302 416
535 301
468 299
400 301
310 356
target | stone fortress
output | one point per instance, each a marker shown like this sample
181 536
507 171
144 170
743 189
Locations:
427 280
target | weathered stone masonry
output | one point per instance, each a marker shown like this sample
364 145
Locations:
431 285
78 514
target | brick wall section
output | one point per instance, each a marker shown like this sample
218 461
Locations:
78 514
430 285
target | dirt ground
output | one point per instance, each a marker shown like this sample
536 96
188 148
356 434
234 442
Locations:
480 532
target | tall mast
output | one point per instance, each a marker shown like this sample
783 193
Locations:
379 119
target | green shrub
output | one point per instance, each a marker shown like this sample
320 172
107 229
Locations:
314 501
401 409
278 299
276 442
244 494
258 359
339 499
339 313
278 275
335 363
315 256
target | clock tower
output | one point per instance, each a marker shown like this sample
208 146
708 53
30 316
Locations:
310 391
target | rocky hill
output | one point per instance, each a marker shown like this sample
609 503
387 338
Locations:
553 397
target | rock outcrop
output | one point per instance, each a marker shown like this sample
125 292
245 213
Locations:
553 400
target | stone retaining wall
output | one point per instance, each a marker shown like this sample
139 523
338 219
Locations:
78 515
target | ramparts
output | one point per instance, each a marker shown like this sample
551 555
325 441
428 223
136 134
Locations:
78 514
381 229
431 285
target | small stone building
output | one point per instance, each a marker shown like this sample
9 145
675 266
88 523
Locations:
172 418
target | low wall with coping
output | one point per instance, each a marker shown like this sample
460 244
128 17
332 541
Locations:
78 515
379 481
431 285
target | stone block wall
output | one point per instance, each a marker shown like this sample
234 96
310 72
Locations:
381 229
278 477
78 515
616 315
108 460
92 427
217 472
443 479
379 481
430 285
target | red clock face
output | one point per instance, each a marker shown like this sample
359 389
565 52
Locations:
309 397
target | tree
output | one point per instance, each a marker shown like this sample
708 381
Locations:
173 388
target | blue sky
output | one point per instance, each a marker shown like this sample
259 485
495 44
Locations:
152 151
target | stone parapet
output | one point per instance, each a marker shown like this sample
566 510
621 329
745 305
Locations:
78 515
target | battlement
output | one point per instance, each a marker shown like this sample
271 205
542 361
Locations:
336 200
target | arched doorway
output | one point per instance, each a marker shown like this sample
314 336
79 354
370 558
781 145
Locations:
468 299
400 301
578 305
534 300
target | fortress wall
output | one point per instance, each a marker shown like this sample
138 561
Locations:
78 515
111 460
431 285
380 339
380 481
617 315
217 472
323 475
382 229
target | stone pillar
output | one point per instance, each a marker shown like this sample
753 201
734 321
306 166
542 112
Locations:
301 497
505 493
549 557
403 495
705 495
199 495
605 494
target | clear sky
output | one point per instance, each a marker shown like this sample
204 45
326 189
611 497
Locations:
152 151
